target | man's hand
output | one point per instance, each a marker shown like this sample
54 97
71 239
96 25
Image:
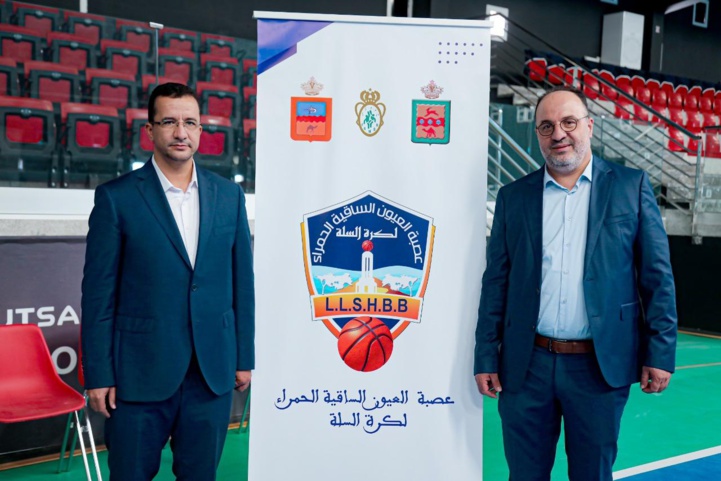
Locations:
488 384
101 398
654 380
242 380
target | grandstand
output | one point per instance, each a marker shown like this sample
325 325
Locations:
94 74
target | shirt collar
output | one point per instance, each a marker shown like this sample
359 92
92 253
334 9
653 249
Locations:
165 183
587 173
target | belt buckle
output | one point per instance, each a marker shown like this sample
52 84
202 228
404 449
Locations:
550 344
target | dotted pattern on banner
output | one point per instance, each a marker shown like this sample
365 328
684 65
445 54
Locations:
451 53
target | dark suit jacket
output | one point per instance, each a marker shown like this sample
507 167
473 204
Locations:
628 283
145 310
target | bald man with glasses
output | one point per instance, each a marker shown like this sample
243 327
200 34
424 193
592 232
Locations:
578 300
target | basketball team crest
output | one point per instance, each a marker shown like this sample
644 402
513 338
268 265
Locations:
311 116
431 117
367 262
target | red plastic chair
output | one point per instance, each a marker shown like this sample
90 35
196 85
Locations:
31 389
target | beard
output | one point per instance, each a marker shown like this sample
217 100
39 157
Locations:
568 162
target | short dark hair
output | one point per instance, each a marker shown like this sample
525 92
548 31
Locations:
564 88
170 89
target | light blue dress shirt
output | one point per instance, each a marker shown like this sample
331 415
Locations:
565 224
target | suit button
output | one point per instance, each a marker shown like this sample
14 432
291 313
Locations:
194 287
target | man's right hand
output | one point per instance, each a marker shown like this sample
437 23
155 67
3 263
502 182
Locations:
488 384
101 398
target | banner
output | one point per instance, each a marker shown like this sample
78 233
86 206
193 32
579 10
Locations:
369 247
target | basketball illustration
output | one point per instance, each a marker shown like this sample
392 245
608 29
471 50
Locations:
365 344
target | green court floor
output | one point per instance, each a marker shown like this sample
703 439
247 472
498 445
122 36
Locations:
684 419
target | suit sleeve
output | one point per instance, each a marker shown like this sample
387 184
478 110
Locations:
244 291
492 308
100 277
655 283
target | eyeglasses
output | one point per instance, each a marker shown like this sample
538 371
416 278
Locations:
568 124
171 124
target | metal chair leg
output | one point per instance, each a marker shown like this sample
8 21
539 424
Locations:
245 411
62 460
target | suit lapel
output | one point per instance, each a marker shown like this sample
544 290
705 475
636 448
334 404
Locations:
207 190
600 196
152 192
532 206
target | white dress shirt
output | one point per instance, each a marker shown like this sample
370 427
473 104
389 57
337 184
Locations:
185 207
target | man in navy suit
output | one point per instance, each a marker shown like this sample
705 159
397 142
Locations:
168 302
577 303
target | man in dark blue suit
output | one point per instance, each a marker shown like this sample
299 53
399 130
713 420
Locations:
168 302
577 303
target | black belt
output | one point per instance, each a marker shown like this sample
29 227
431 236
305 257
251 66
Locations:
561 346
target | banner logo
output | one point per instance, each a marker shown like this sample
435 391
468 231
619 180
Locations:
369 112
311 118
431 117
367 262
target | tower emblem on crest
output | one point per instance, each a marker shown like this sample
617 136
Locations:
367 262
431 118
369 112
311 116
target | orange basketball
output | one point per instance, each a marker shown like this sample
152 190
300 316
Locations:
365 344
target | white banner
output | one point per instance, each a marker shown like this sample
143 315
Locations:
369 247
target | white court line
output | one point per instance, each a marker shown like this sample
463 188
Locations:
644 468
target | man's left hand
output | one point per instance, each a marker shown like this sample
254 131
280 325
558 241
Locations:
242 380
654 380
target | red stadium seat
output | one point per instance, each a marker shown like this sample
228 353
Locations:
249 99
52 81
40 19
92 143
71 50
537 69
219 100
643 95
713 146
178 64
9 84
659 102
220 69
137 33
706 101
180 39
218 44
20 43
91 27
637 82
217 145
591 88
28 140
250 72
123 57
148 83
607 93
114 89
624 104
140 147
557 74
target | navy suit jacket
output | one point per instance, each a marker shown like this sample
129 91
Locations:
145 309
627 279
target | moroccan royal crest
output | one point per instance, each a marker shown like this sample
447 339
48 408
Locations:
369 112
431 117
367 262
311 117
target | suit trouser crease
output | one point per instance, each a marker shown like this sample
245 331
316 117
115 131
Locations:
568 387
194 418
